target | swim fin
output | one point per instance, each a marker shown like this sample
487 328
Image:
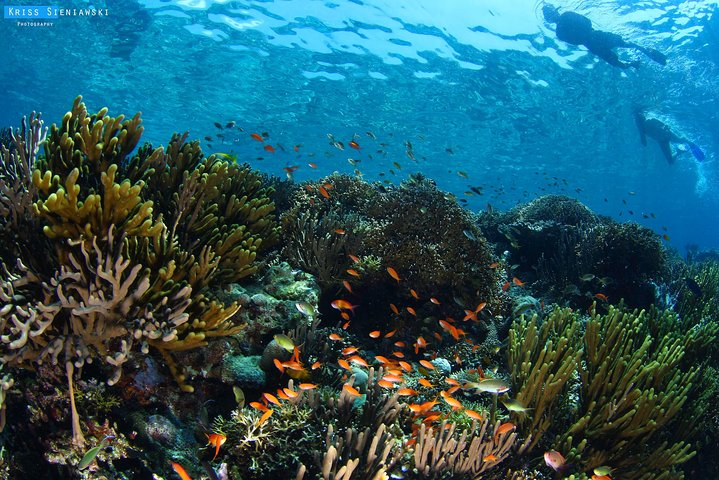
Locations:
696 151
655 55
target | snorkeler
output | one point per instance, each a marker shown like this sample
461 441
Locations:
577 29
663 135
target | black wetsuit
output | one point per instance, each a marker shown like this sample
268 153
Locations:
659 132
577 29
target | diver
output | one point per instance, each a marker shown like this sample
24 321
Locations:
663 135
577 29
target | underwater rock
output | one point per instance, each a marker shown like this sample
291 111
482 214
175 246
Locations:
245 372
443 366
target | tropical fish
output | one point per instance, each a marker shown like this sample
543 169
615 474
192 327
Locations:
216 440
285 342
555 460
306 309
340 304
351 390
264 417
514 405
257 137
490 458
374 334
474 415
91 454
503 428
239 396
393 273
218 125
354 145
604 470
469 235
180 471
602 297
490 385
230 124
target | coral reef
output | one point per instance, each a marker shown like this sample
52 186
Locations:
570 254
343 229
134 245
630 389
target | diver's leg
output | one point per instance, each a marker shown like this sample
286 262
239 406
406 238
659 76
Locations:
667 151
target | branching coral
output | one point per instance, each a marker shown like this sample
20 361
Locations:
543 359
631 388
135 244
448 453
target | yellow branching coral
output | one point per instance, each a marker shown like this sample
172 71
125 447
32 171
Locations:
543 359
630 385
132 265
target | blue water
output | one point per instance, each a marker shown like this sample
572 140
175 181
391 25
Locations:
479 87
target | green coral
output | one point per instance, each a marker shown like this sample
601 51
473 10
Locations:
631 389
136 245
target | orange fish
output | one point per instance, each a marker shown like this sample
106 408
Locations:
353 272
358 360
390 333
257 137
490 458
398 354
405 366
334 337
354 145
347 285
351 390
426 364
406 391
316 365
434 300
474 415
452 402
180 471
354 258
216 440
307 386
517 282
340 231
494 265
413 293
394 308
269 148
392 378
271 398
312 165
385 384
323 192
259 406
502 429
340 304
602 297
601 477
264 417
343 363
412 311
279 365
506 285
381 359
425 383
292 393
451 381
393 273
374 334
345 316
349 350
